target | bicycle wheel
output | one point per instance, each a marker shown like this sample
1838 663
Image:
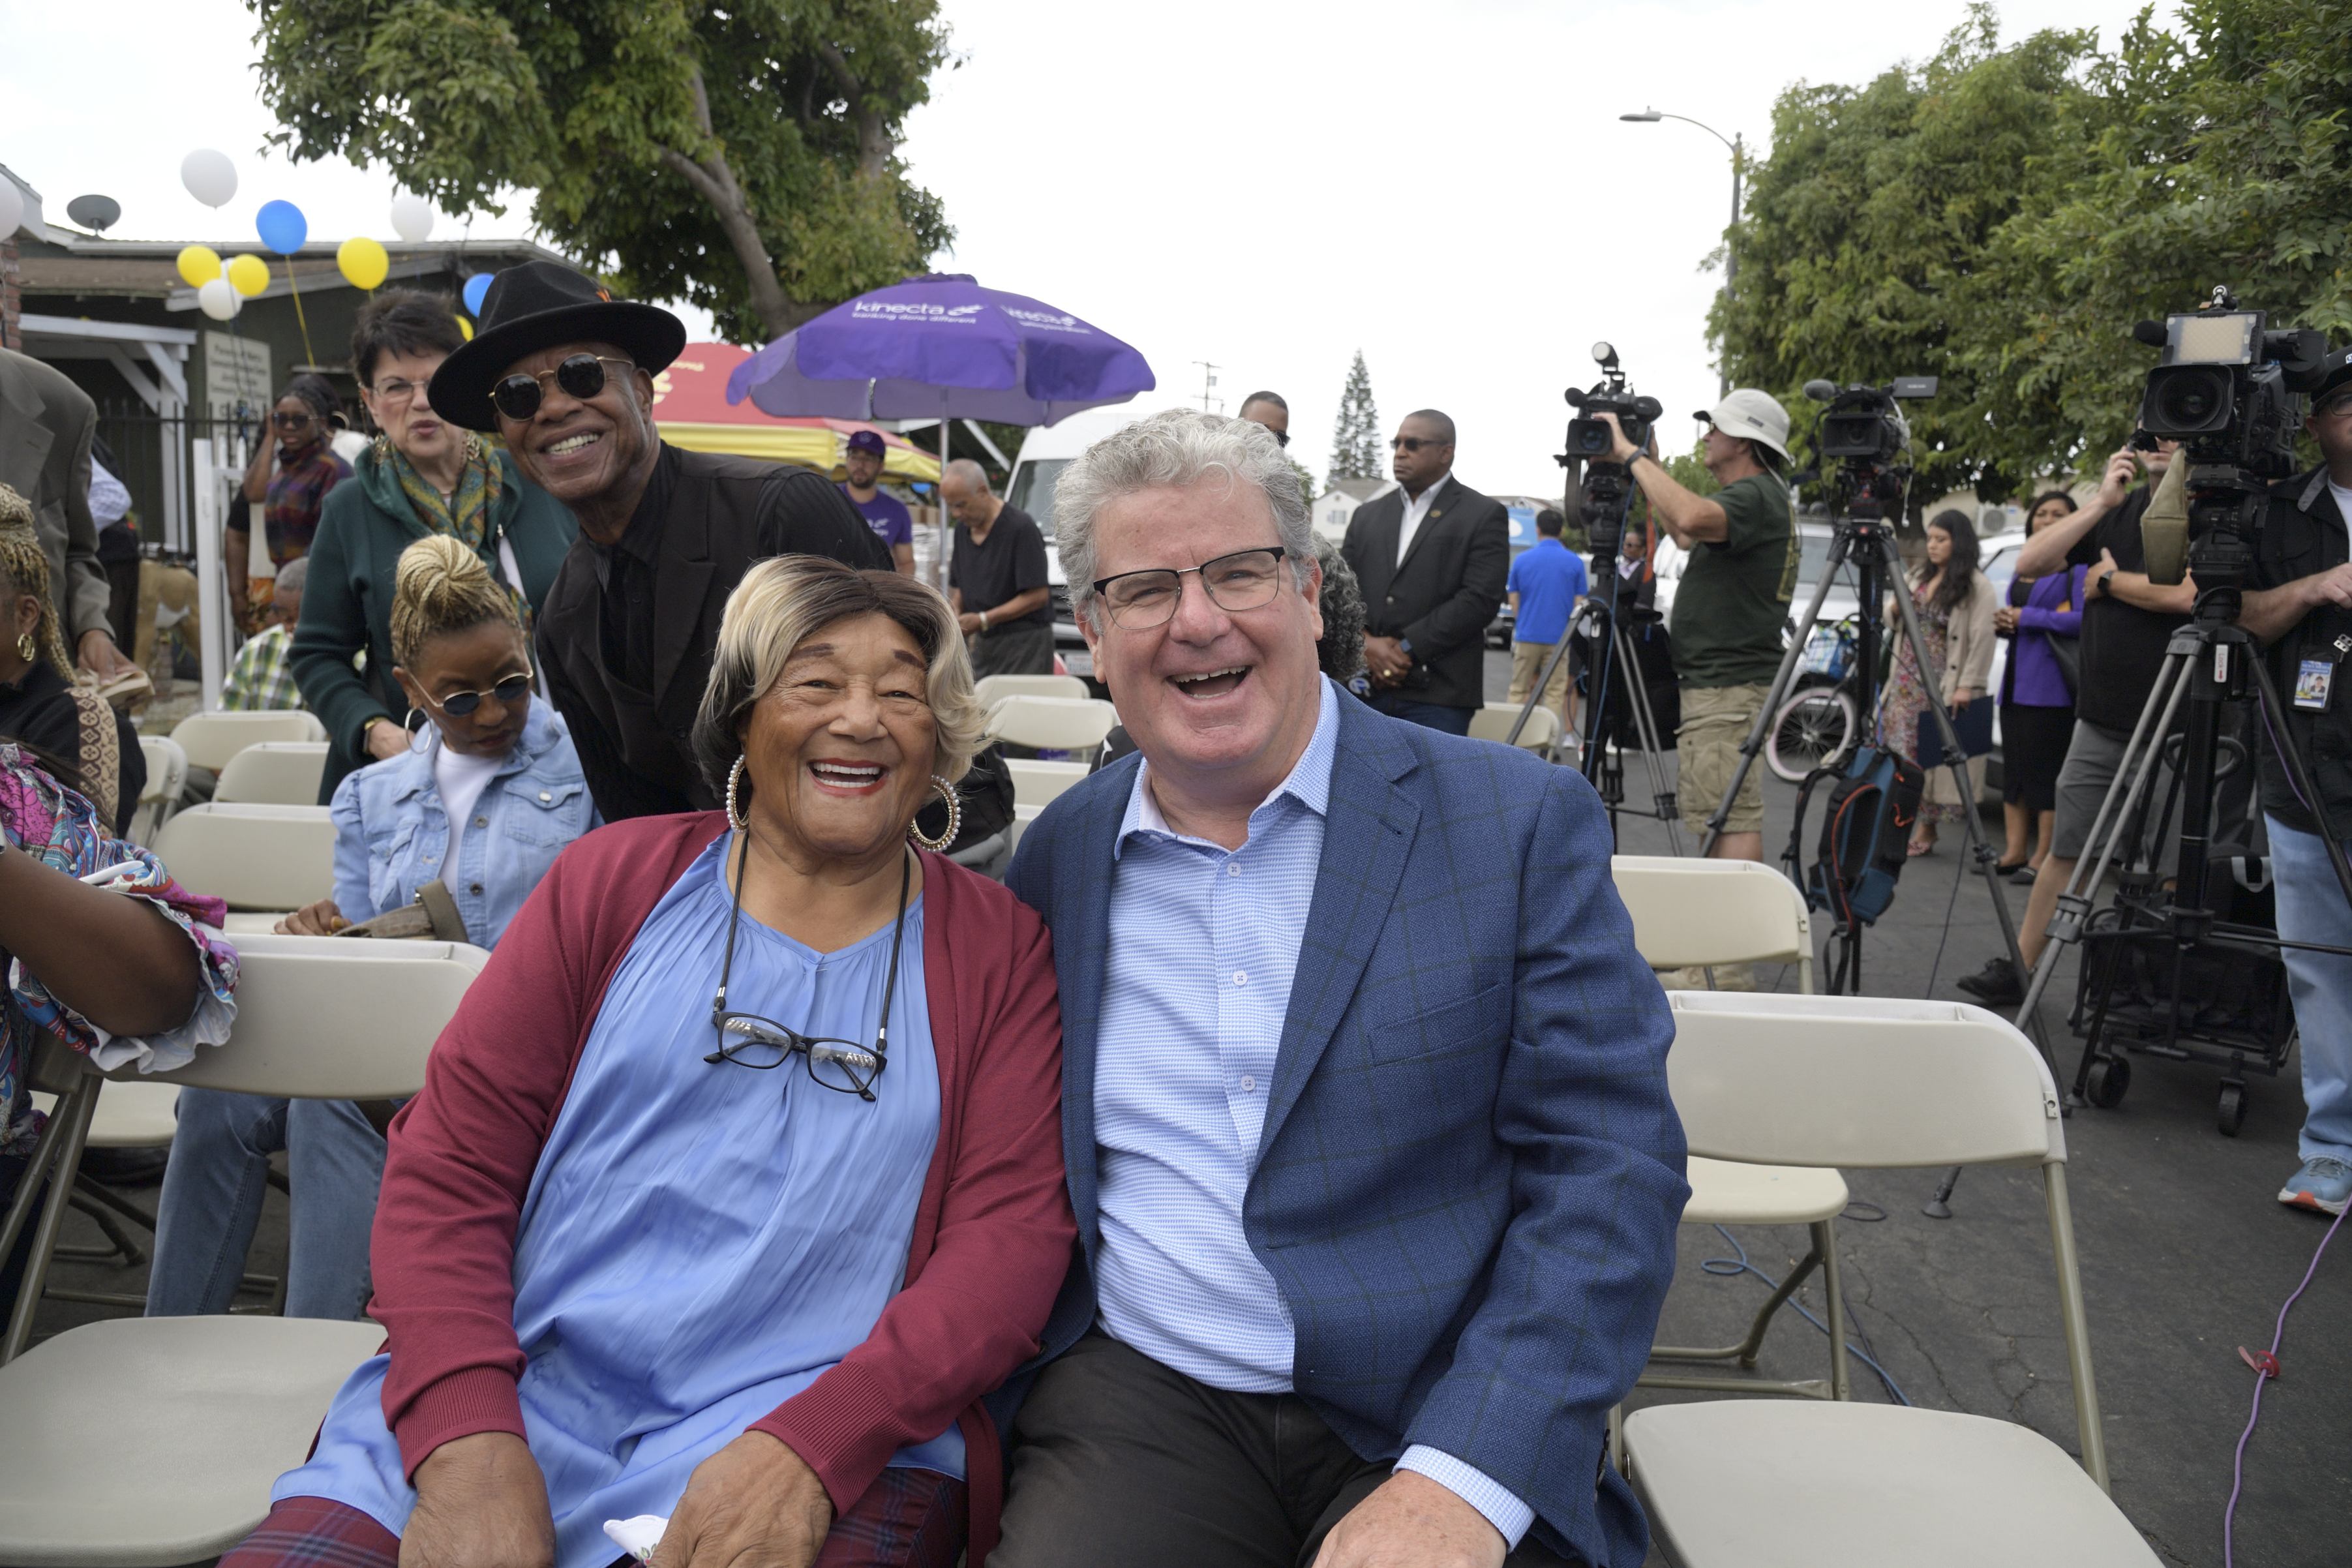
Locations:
1813 729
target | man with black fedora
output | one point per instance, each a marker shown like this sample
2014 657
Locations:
564 373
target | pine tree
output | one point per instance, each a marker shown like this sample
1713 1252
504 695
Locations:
1356 434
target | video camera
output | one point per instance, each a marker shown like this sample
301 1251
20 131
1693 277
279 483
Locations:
1863 432
1587 438
2231 390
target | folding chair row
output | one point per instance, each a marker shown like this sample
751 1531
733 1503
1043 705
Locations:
210 739
254 858
273 772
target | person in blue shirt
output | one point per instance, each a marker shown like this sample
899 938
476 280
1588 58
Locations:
485 798
1546 583
884 514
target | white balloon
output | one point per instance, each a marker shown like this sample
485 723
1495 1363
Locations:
12 208
219 299
412 217
210 177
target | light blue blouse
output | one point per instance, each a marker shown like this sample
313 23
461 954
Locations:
698 1242
392 835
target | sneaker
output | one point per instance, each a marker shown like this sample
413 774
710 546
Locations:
2323 1186
1995 986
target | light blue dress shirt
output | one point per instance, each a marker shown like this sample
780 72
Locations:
1204 943
699 1242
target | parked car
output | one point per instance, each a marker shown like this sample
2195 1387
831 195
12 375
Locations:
1045 451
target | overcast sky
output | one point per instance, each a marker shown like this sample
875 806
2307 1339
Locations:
1266 185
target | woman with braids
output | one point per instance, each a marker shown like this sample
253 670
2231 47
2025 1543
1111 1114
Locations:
289 479
1955 605
482 801
423 477
92 747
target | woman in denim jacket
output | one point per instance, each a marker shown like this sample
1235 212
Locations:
483 800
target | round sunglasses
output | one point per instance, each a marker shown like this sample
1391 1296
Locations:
582 377
457 704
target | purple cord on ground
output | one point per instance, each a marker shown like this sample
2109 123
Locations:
2278 1336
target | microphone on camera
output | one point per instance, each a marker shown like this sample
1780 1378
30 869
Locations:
2164 526
1820 391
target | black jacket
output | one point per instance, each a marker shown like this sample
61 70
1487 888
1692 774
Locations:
720 515
1444 594
2303 535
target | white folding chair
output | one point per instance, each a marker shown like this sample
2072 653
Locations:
990 688
196 1417
1051 723
211 738
1872 1083
270 858
1493 722
273 772
1701 912
167 775
1037 783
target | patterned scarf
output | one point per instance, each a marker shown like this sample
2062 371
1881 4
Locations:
466 516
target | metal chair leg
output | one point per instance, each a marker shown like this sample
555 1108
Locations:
1825 1244
119 1249
75 1110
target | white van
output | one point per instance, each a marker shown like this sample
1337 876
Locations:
1045 451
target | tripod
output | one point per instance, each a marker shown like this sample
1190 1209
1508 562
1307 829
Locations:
2210 660
1604 501
1864 537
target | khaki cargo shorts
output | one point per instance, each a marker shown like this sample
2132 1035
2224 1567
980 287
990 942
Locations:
1715 719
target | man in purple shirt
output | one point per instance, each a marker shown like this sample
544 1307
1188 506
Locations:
885 514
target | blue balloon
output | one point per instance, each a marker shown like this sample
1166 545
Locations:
476 287
282 226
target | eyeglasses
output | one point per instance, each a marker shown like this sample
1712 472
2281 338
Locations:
581 377
509 691
1245 580
291 421
1412 443
760 1043
394 394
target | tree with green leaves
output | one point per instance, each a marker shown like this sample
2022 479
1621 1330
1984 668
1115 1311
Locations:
742 157
1356 452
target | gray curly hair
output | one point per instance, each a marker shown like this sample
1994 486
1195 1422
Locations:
1170 451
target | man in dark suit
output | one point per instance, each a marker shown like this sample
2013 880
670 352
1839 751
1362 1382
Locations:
1431 556
47 423
1364 1099
565 373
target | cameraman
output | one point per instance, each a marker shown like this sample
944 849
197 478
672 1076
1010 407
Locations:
2127 619
1733 602
2300 606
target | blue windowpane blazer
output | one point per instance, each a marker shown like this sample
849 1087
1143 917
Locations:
1470 1173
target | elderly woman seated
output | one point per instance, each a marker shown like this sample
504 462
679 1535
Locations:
624 1270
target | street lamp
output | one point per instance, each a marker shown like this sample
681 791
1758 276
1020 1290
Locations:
1739 168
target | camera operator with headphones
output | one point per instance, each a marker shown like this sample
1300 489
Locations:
2300 606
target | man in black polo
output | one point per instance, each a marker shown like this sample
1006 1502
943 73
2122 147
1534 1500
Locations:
997 577
565 373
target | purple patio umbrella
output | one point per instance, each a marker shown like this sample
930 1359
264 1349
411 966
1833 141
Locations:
941 347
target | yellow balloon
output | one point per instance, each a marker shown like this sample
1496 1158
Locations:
363 261
249 275
199 265
466 329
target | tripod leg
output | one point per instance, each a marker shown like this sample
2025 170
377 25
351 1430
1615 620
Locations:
1773 697
1645 730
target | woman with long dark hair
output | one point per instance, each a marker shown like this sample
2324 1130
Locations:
2043 620
1954 604
293 468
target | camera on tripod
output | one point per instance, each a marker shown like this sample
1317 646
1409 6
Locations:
2231 390
1587 438
1864 433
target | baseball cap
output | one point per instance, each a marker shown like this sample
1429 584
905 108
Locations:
1754 414
867 441
2335 376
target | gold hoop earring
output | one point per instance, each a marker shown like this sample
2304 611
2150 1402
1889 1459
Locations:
955 819
26 649
734 776
383 448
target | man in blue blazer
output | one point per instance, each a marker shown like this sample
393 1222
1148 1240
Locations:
1365 1101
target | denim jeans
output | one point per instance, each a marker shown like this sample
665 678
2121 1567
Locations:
2311 908
1432 715
212 1193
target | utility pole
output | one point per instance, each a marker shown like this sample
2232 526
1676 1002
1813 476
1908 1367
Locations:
1209 386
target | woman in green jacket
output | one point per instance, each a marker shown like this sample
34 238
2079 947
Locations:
423 476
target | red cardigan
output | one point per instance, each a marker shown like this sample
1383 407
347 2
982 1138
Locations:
993 1231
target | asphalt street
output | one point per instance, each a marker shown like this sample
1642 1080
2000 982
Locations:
2186 1256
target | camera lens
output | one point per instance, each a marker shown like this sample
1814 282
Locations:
2186 400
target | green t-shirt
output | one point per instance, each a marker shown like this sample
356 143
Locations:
1733 600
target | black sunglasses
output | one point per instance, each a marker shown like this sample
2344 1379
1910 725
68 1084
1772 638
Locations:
1412 442
510 691
291 421
582 377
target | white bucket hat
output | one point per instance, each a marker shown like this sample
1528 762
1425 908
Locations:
1756 415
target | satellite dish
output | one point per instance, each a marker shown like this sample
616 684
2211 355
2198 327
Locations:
97 213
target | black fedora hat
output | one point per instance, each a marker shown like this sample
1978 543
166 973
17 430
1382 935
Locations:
541 305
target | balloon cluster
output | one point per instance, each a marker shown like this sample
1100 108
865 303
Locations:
222 287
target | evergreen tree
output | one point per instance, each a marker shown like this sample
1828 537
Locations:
1356 434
